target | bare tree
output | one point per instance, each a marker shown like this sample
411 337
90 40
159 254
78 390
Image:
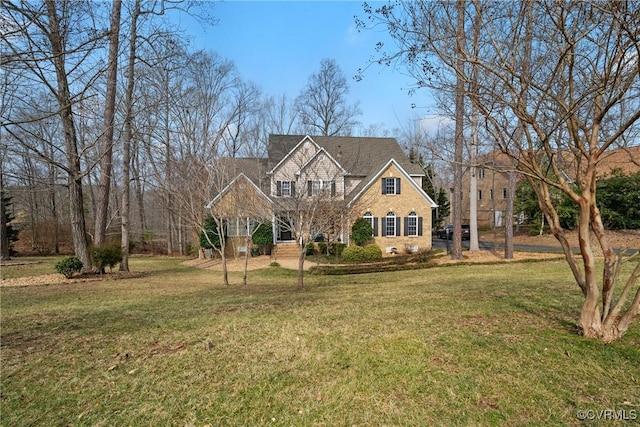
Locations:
238 208
311 198
44 45
459 136
566 76
322 105
107 136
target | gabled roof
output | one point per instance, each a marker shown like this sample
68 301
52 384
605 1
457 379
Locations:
316 155
374 178
254 168
290 152
358 156
228 187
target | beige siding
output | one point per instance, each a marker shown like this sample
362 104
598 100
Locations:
291 166
298 168
242 200
323 168
351 183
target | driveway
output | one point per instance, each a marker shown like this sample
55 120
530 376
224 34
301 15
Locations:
486 245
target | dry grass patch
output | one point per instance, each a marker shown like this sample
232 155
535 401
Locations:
462 345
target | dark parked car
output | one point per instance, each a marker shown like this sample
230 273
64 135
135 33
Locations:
446 232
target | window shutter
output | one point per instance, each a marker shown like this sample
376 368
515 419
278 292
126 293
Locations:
333 189
375 227
419 226
406 225
384 227
293 188
384 187
278 188
397 185
397 226
309 188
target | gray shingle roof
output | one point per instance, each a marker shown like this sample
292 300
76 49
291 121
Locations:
255 168
359 156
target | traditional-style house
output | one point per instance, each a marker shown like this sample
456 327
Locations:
327 183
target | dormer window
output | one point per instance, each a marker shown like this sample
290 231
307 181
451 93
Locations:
390 185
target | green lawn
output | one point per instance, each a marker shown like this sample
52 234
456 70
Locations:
462 345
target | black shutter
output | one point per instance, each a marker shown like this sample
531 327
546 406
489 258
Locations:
419 226
375 226
309 188
333 189
397 185
384 227
406 225
384 185
293 188
397 226
278 188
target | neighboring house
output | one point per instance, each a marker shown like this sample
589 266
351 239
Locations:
353 177
492 180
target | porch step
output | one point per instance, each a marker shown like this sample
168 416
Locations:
286 250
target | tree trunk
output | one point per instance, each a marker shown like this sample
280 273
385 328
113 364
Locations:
247 241
508 215
459 136
76 200
4 234
473 186
302 253
126 145
106 161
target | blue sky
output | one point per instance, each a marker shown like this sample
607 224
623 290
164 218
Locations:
278 45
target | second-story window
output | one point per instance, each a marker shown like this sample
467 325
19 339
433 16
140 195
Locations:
285 189
319 186
390 185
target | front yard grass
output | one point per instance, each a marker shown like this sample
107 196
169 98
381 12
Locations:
462 345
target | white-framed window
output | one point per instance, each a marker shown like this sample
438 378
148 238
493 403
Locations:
372 221
411 224
318 186
389 225
479 194
480 173
390 185
285 188
237 227
491 194
504 193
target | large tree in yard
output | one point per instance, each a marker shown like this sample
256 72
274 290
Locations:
559 83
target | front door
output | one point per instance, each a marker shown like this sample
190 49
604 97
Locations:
284 230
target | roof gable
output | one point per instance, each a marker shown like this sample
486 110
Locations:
234 182
291 152
374 178
358 156
316 155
